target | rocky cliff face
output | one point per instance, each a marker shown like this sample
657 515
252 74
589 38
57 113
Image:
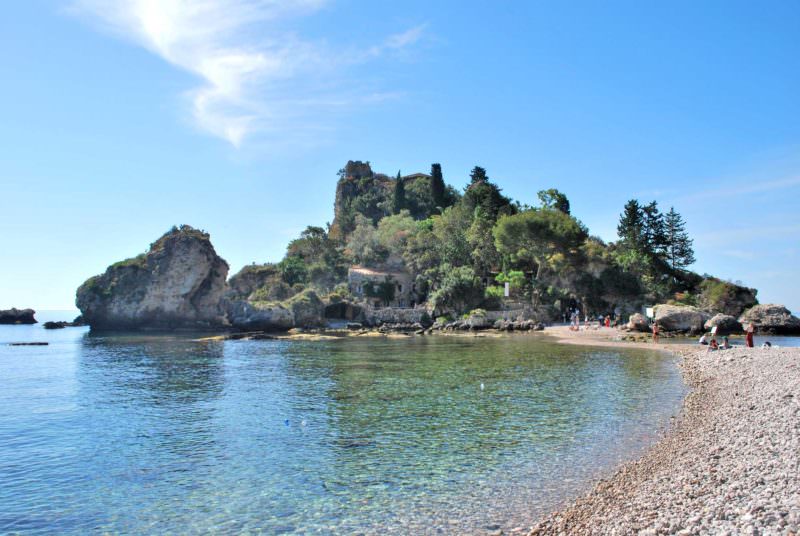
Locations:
362 191
178 283
17 316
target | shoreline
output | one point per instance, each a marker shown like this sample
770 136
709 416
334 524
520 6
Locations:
729 463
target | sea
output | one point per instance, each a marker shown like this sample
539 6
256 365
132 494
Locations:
146 433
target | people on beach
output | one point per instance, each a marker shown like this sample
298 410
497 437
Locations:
766 344
608 321
704 339
725 344
655 332
713 345
748 337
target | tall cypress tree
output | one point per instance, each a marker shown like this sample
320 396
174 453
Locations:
679 251
399 194
437 186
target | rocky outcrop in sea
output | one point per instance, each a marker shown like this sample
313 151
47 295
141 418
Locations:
771 318
178 284
17 316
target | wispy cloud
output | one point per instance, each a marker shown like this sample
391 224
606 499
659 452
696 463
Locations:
742 188
761 232
255 76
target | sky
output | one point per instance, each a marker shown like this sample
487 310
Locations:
119 119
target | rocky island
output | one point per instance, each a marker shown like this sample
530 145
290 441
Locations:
17 316
178 283
404 252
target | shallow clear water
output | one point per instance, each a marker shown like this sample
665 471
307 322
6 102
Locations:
163 434
786 341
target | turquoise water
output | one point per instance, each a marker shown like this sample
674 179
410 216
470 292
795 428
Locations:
164 434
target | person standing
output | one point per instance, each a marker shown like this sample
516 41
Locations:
655 332
748 336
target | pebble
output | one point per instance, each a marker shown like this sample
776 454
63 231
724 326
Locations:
728 465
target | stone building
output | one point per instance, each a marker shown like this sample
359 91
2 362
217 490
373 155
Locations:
365 283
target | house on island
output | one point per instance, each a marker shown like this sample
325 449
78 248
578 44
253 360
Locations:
383 287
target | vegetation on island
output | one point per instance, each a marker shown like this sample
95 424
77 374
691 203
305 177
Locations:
463 246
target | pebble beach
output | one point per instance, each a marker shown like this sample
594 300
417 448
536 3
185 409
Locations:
729 465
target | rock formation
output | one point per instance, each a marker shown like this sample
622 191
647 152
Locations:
17 316
720 296
680 318
638 322
771 318
725 324
258 282
303 310
178 283
362 191
246 316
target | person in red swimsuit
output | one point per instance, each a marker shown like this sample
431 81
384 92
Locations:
748 337
655 332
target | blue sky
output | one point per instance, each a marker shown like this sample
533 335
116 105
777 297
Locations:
121 118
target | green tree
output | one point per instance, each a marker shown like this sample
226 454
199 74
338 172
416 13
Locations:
399 195
478 174
363 245
438 187
393 232
631 228
450 236
546 240
655 238
679 251
459 290
293 270
484 253
482 193
554 199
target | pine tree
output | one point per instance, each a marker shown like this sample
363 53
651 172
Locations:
399 194
655 238
631 225
437 186
679 251
478 174
554 199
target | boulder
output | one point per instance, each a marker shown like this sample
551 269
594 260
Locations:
246 316
477 320
17 316
177 284
680 318
725 324
771 318
638 322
